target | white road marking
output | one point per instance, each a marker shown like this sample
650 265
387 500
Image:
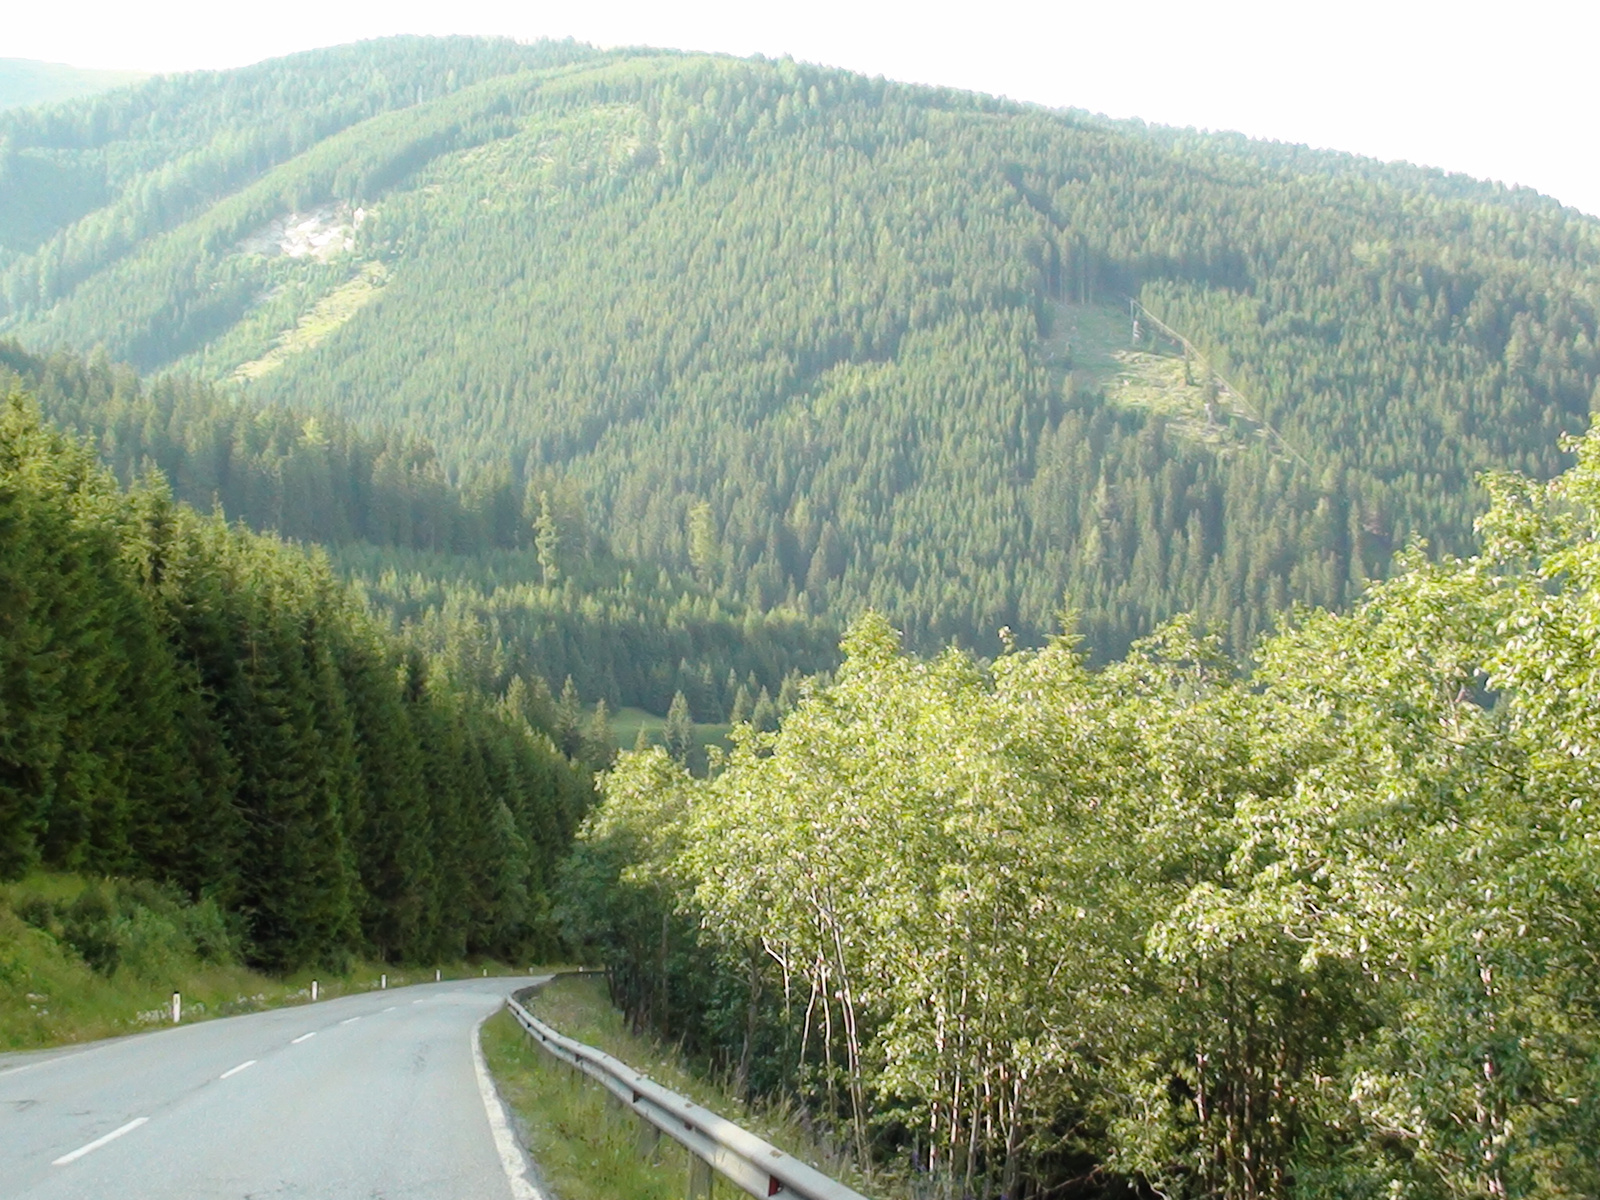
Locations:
349 1020
416 1002
99 1141
389 1009
510 1153
231 1072
304 1037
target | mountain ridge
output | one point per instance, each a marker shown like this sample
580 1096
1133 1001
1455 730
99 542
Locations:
827 309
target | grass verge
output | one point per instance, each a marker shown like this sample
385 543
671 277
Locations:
73 972
586 1145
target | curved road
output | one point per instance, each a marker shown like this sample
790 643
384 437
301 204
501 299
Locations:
377 1095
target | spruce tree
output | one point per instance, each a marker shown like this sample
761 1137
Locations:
599 742
678 734
568 732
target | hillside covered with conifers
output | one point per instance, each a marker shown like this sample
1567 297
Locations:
825 341
186 701
507 579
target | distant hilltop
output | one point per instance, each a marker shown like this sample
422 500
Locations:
25 81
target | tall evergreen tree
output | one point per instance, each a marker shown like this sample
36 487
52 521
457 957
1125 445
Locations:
678 735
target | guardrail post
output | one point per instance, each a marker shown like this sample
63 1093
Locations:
700 1178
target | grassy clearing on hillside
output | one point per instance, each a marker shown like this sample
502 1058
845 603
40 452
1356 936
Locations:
587 1146
1094 344
145 949
1085 339
325 318
626 724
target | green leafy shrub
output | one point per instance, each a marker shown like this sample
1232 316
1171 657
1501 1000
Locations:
136 926
89 927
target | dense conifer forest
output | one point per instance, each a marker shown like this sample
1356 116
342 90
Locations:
184 700
828 341
504 581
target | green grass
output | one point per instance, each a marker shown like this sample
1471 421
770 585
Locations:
585 1144
325 318
627 722
585 1147
51 996
1093 342
1085 339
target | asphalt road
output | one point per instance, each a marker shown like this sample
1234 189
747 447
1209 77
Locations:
368 1096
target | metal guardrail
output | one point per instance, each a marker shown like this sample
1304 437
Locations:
757 1167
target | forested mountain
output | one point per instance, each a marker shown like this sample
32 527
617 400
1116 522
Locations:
310 477
828 341
27 81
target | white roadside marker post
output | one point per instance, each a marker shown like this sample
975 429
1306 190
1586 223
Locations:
436 974
313 991
383 982
177 1007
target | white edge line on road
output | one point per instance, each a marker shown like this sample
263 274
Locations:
349 1020
304 1037
511 1157
232 1071
99 1141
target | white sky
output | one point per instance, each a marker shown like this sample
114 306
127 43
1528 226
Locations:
1506 90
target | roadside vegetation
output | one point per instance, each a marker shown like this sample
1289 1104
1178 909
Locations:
1322 924
85 958
186 701
586 1146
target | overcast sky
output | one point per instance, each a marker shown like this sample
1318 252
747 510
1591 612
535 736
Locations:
1505 90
